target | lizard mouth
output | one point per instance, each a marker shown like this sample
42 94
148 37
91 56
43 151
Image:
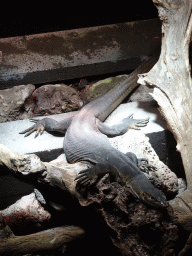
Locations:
157 202
148 194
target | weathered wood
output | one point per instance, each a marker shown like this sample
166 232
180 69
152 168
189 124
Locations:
123 213
48 240
30 169
76 53
171 77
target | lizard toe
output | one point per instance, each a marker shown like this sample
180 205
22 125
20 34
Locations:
40 130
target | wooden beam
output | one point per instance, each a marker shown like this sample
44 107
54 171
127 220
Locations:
76 53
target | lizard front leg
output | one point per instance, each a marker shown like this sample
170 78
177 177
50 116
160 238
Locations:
122 127
92 175
50 125
139 184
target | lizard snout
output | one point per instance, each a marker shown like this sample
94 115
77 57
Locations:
147 193
158 201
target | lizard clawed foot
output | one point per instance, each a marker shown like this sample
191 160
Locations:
91 175
38 127
137 123
34 120
144 165
86 177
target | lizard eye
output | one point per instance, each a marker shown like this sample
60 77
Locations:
146 196
142 194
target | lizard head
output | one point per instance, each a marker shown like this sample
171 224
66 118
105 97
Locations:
147 193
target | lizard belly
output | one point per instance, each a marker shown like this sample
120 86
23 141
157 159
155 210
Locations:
93 147
84 142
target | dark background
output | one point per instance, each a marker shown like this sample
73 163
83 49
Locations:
39 17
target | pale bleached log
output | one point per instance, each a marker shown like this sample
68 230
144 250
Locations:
33 171
171 76
171 79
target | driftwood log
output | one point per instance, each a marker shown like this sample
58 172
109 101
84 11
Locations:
127 218
171 79
133 227
48 240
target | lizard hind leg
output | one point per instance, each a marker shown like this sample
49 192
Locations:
142 163
122 127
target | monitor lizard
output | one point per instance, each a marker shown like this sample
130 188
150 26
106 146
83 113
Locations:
86 141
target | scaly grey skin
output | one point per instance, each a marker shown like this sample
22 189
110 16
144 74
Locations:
86 141
140 186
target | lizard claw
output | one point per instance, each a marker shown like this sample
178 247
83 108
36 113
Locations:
34 120
139 123
38 127
144 165
86 177
92 175
130 116
40 130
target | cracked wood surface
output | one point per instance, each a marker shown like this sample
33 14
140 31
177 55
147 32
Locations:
171 76
47 240
171 79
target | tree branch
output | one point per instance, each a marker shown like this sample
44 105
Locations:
48 240
32 170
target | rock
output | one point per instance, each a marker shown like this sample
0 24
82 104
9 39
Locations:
55 99
97 89
162 177
27 211
136 142
23 102
12 102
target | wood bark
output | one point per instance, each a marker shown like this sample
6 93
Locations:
48 240
171 76
126 217
171 79
33 171
30 169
